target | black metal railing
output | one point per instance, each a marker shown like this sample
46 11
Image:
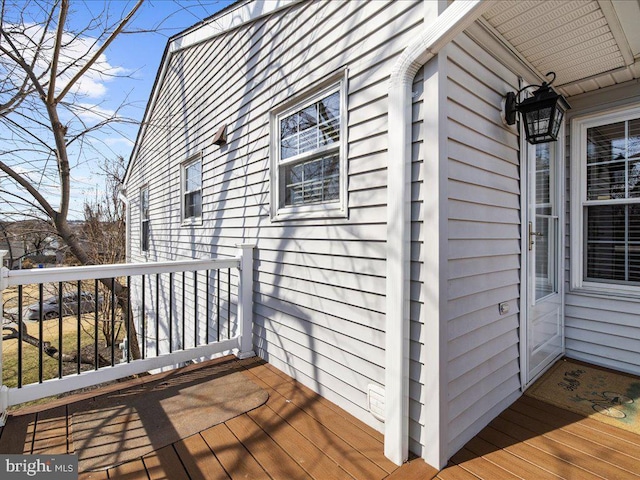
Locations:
152 314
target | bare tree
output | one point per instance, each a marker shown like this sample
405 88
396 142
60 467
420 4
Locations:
104 231
46 124
104 217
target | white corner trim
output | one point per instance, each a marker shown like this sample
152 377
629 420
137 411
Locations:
455 19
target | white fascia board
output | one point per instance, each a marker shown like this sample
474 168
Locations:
628 14
623 18
227 20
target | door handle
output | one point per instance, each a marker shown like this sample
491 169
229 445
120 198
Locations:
532 235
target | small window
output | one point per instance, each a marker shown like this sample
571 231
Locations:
608 207
308 157
144 219
192 190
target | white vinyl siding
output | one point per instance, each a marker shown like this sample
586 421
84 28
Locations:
319 291
483 267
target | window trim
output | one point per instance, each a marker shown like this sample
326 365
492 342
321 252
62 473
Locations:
335 209
144 250
194 220
579 127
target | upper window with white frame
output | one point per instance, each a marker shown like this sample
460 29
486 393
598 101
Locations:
144 219
607 208
192 189
308 164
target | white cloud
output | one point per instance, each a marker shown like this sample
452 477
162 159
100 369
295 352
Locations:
74 55
114 142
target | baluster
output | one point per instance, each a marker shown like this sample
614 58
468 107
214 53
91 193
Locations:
157 314
60 306
170 312
142 320
20 333
96 319
78 333
113 321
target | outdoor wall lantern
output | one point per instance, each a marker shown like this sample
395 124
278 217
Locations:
542 112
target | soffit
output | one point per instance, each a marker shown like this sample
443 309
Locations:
583 41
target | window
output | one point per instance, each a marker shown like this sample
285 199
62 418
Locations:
192 190
144 219
607 164
308 164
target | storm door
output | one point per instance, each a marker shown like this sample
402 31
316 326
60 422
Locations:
543 332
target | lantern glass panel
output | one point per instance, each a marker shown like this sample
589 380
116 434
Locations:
538 121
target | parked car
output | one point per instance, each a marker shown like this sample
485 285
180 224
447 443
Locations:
50 308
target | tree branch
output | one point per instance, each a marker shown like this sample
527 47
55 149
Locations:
64 7
14 54
93 59
30 188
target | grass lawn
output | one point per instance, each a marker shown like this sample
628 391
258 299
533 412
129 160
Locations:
30 354
50 333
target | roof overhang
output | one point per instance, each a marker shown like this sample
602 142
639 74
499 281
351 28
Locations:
589 44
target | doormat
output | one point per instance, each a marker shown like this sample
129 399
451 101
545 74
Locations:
600 394
114 428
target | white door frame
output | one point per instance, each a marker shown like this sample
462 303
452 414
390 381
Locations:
527 154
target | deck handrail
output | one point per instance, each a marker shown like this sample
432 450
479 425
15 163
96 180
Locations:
90 272
241 342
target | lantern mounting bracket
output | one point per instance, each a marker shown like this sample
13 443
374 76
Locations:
512 102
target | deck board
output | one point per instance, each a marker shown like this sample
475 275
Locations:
508 461
164 464
198 460
455 472
570 420
273 459
353 432
323 436
481 466
524 451
304 452
583 466
101 475
51 432
133 470
232 454
600 458
17 434
299 435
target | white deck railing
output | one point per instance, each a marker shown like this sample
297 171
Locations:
174 325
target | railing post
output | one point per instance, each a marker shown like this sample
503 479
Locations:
245 300
4 391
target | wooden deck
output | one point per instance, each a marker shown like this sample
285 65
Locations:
299 435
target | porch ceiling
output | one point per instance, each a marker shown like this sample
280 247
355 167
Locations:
589 44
